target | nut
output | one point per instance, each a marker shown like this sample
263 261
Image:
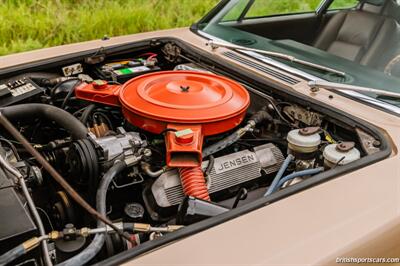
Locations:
345 146
307 131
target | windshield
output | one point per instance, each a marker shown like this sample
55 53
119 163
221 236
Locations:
357 38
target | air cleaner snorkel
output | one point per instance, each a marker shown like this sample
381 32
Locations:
183 145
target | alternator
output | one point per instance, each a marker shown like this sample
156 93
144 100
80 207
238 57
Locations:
87 157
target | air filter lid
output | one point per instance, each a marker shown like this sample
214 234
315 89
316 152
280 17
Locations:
184 97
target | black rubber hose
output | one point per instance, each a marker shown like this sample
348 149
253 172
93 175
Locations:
97 243
222 144
261 116
258 117
86 113
210 166
52 113
70 92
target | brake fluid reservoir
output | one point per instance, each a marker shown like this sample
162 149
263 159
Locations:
304 142
340 154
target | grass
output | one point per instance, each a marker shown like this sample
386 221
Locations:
32 24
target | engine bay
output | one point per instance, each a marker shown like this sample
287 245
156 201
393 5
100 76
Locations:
155 140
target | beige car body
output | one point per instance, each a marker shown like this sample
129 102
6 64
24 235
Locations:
353 215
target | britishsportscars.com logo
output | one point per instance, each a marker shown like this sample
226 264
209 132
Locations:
366 260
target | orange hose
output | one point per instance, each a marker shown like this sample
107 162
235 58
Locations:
193 182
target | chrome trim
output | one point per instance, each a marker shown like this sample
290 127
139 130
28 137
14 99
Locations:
321 7
317 84
262 67
216 44
282 66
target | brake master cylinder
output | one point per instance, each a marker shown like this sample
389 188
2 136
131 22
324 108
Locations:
303 144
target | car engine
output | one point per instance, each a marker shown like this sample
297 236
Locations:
152 141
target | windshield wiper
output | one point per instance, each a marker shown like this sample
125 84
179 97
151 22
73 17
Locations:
215 44
315 85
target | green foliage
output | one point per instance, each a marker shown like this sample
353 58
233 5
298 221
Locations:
339 4
32 24
273 7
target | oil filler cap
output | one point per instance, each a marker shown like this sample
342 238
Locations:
184 136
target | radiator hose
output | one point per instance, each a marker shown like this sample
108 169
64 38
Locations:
49 112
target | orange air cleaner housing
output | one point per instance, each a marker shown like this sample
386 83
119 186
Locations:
186 105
